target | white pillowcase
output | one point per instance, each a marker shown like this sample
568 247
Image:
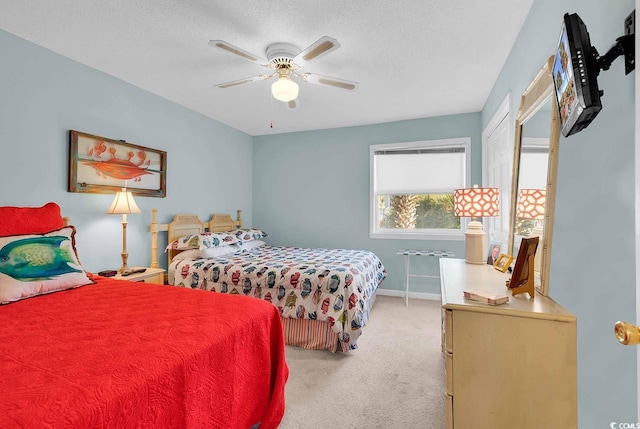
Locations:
211 252
248 245
36 264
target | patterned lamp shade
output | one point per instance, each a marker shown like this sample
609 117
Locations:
476 202
531 204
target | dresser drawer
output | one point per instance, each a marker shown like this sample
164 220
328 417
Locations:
448 407
448 369
157 279
448 331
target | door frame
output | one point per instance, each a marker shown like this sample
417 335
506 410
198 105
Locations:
503 112
637 220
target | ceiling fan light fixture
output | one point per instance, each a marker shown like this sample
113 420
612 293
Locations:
284 89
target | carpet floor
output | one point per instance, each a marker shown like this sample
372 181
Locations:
395 379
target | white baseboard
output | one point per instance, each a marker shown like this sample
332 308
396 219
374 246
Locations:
401 294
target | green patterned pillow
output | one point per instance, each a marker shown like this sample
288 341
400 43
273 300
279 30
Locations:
36 264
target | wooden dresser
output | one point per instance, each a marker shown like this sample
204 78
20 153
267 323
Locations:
507 366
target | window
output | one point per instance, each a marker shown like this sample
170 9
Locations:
534 159
412 188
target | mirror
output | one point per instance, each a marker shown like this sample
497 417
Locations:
535 166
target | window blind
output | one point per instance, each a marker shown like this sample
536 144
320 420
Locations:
419 171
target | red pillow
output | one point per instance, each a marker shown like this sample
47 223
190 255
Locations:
30 220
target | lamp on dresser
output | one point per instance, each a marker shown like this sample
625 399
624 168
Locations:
476 203
124 204
531 207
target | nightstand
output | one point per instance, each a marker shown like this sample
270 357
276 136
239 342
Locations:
151 275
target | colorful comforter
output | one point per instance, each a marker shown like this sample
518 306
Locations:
332 285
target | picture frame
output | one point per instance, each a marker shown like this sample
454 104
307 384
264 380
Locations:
503 262
522 277
495 249
105 166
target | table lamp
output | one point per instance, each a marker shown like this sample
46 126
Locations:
124 204
474 203
531 207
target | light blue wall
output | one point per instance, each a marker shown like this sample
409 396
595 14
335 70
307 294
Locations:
312 189
326 174
593 261
43 95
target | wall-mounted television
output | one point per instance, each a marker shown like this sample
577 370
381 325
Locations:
575 73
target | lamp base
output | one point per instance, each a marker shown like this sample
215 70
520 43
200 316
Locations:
125 255
475 243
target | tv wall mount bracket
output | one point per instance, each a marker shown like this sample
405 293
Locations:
625 45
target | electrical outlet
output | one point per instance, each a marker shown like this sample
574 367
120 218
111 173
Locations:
630 24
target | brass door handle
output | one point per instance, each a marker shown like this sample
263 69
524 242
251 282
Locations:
627 333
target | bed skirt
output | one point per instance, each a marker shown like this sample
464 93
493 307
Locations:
313 334
309 334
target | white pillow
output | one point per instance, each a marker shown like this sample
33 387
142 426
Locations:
36 264
248 245
212 252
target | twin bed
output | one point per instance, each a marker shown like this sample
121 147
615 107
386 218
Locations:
324 296
105 353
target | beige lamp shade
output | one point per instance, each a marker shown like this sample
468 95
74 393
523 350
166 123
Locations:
123 203
476 202
531 204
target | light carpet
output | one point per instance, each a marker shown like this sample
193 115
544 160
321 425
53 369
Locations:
395 379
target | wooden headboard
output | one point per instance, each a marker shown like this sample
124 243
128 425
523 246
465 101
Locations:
187 224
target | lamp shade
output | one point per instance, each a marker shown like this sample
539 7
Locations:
284 89
123 203
476 202
531 204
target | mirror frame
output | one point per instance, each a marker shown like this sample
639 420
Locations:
533 98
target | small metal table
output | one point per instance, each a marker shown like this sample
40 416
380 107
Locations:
410 252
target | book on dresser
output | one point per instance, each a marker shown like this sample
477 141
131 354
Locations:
486 296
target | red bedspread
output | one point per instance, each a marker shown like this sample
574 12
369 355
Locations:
121 354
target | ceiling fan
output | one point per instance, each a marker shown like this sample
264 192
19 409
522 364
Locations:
287 60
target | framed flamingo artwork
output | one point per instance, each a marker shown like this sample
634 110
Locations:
101 165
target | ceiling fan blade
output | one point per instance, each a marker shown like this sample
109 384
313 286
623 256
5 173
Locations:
331 81
318 49
242 81
221 44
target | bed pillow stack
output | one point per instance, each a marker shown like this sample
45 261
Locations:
37 254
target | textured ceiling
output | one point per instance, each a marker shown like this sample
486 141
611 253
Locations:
412 59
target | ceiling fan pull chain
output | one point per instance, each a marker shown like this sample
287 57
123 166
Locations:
271 111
